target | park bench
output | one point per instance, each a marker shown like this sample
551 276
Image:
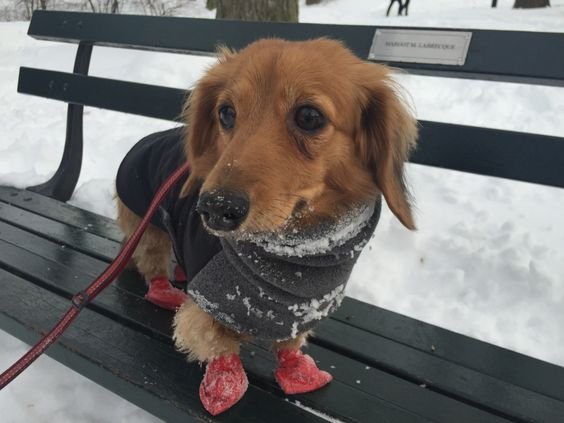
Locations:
387 367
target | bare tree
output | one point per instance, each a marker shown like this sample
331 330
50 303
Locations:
160 7
528 4
258 10
28 7
104 6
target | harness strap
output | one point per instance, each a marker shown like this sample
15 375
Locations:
84 297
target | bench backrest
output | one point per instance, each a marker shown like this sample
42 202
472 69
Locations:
508 56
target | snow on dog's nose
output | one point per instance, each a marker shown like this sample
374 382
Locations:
223 210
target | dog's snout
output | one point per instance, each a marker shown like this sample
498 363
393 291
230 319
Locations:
223 210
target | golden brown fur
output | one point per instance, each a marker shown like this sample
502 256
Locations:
360 153
152 255
290 177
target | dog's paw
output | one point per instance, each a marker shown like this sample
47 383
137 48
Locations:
297 373
163 294
224 384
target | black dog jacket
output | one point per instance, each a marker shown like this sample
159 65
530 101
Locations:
271 287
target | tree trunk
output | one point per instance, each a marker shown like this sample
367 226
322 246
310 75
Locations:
258 10
43 4
28 9
92 6
527 4
211 4
310 2
115 6
494 3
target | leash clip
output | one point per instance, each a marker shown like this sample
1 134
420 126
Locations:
80 300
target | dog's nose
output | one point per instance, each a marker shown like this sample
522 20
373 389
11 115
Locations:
223 210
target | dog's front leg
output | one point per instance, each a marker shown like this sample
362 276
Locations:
151 257
297 372
197 334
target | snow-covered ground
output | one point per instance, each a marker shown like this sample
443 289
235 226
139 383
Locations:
487 261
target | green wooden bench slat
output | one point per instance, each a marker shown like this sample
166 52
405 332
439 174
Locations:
141 369
514 155
116 301
62 212
518 369
70 236
85 265
382 388
494 55
434 405
534 158
439 374
183 35
130 97
66 281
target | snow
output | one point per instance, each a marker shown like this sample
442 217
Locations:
487 260
315 412
317 309
208 306
327 239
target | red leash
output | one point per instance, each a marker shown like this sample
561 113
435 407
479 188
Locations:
84 297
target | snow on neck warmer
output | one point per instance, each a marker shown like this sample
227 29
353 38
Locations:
277 288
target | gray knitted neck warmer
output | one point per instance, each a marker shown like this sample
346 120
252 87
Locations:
276 288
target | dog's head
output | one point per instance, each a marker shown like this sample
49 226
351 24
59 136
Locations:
285 134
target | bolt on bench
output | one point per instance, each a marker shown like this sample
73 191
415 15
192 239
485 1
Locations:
409 371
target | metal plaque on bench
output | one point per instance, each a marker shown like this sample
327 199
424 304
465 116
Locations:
420 46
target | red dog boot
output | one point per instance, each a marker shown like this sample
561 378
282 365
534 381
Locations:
224 384
179 275
297 373
163 294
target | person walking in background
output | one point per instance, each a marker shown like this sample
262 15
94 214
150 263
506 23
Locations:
403 6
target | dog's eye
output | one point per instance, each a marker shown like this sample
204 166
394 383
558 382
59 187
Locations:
309 118
227 117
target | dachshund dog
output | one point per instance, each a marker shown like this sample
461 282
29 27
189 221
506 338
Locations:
292 147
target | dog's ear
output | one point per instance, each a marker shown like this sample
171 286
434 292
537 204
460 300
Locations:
388 132
202 129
